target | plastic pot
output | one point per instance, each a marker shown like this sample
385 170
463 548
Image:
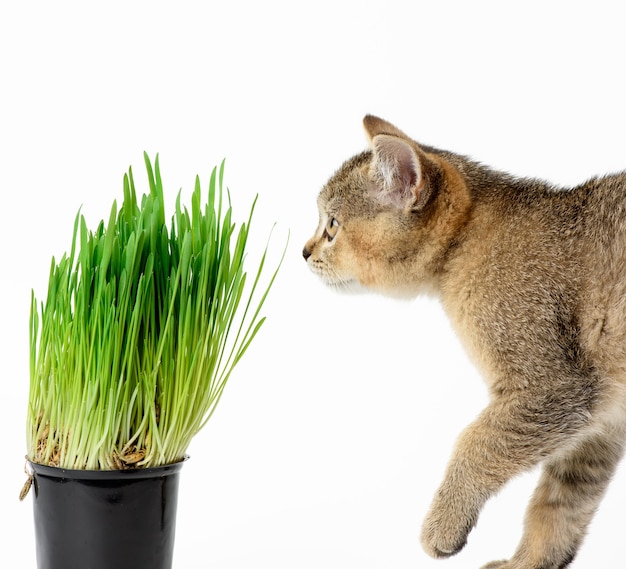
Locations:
101 519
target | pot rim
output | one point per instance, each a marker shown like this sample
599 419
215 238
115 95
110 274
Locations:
134 473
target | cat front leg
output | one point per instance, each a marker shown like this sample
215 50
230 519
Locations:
510 436
468 482
569 491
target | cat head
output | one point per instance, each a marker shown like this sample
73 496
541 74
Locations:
388 216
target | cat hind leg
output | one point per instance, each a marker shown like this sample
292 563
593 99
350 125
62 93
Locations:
569 491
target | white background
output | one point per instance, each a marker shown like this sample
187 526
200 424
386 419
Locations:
336 427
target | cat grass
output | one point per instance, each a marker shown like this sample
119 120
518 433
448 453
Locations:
142 326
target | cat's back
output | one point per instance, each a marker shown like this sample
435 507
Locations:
586 223
603 204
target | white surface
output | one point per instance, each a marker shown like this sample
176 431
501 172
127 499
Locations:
335 429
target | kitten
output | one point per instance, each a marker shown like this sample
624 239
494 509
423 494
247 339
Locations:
533 279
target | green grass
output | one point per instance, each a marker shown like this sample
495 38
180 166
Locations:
141 328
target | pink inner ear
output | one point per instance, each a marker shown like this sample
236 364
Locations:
397 170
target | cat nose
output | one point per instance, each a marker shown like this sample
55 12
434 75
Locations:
306 254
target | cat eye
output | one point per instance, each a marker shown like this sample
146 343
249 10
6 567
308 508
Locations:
331 228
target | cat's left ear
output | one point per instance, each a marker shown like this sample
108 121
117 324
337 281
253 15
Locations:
397 172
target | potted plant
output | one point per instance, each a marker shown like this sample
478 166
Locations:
131 350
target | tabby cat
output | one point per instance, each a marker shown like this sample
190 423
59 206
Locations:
533 279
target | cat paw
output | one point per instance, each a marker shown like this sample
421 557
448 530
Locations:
442 536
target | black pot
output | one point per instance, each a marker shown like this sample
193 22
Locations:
105 519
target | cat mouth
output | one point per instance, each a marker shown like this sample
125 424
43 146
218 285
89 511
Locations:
332 278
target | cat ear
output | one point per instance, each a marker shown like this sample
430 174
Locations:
375 126
397 171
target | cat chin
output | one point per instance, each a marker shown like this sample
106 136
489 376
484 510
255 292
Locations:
351 287
354 287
